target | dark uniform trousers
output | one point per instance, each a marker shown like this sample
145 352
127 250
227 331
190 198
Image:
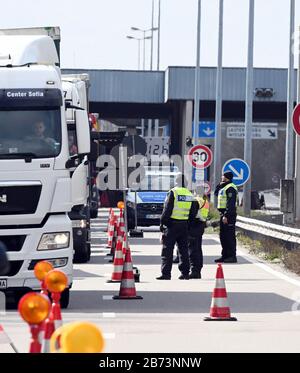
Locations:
196 231
228 237
177 232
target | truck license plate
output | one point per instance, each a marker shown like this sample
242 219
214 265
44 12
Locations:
153 216
3 284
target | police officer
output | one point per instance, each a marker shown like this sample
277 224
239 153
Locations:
180 207
227 194
196 231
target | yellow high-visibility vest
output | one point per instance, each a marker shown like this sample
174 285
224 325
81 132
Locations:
203 209
222 196
183 199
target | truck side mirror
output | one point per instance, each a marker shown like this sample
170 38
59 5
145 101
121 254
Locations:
83 132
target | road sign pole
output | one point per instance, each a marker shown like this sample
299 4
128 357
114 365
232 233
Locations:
297 160
218 132
197 78
289 151
249 110
290 132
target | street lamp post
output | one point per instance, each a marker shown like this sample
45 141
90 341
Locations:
197 76
144 38
139 49
158 42
249 109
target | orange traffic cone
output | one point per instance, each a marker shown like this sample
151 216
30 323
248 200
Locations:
127 288
220 310
118 263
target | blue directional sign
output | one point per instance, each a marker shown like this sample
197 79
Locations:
207 130
240 169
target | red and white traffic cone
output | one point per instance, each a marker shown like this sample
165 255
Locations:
55 313
35 346
220 310
48 329
124 247
4 339
115 239
121 226
120 229
118 263
127 288
110 232
111 214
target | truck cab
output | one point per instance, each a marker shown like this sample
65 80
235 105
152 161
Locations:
37 189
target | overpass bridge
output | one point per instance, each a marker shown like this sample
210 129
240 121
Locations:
126 97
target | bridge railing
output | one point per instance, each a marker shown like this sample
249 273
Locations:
275 231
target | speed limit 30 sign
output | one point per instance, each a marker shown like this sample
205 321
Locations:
200 157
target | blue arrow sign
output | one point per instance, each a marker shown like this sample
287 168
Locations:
240 169
207 130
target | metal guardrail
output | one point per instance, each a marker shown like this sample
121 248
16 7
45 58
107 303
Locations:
287 234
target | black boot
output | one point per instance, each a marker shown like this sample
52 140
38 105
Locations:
230 260
183 277
195 276
220 260
162 277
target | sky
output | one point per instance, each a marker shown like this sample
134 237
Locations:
94 32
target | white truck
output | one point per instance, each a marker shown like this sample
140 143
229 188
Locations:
37 188
75 87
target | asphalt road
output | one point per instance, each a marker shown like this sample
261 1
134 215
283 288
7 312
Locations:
264 299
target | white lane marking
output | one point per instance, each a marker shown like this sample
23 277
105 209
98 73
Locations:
107 274
107 297
108 315
109 335
270 270
107 265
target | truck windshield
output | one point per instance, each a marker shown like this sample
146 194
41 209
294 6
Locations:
30 132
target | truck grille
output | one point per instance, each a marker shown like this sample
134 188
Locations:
19 200
15 267
13 243
150 208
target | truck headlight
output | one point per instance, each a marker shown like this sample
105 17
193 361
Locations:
56 263
79 224
54 241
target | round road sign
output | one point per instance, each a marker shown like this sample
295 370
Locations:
205 185
200 156
240 169
296 119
